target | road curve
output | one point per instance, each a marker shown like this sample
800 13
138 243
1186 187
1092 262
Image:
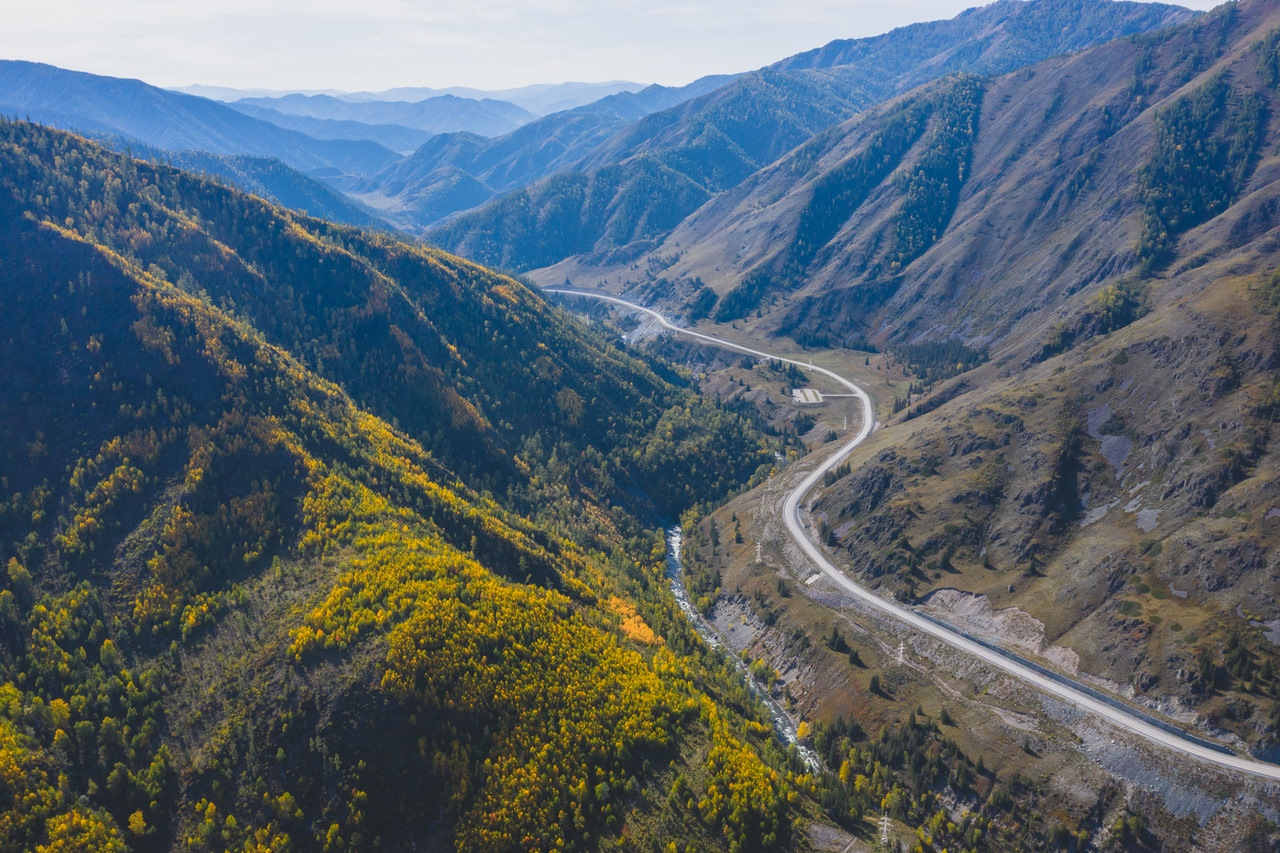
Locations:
1059 687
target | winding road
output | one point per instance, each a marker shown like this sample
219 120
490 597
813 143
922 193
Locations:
1050 683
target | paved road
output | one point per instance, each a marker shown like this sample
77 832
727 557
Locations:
1053 684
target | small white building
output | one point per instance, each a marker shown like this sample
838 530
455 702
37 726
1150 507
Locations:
806 396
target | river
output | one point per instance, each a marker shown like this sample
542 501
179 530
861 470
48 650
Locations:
783 725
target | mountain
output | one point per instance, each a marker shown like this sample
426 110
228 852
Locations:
316 538
296 558
319 539
395 137
424 188
714 141
710 144
540 98
170 121
897 213
1116 259
227 94
1112 470
441 114
1076 265
988 40
267 178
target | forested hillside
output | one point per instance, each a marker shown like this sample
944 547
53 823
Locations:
295 559
262 176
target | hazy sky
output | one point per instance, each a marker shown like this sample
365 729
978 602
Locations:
379 44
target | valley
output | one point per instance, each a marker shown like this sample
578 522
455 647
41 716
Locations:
800 528
871 450
1019 474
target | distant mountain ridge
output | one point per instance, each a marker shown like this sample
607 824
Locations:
440 114
682 157
539 98
167 120
424 187
398 138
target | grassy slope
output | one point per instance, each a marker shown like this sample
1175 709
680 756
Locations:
1007 491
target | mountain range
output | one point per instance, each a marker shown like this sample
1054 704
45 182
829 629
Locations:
636 186
170 121
439 114
459 171
340 142
320 538
644 157
540 98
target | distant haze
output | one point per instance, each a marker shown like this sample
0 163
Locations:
489 44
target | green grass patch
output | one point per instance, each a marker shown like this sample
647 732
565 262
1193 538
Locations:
1129 607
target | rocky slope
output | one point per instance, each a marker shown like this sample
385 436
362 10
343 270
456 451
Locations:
1075 263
